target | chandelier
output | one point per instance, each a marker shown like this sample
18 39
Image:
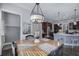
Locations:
37 14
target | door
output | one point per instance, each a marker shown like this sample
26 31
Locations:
11 27
12 34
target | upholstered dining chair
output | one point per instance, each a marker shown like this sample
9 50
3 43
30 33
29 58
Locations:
29 37
12 48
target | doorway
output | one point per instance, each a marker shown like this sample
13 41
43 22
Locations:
11 24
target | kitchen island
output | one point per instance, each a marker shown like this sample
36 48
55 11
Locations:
67 39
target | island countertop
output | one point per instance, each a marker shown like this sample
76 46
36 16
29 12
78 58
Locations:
74 34
67 39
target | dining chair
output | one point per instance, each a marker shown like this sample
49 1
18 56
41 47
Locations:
10 46
14 49
29 37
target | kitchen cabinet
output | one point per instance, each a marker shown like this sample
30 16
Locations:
46 26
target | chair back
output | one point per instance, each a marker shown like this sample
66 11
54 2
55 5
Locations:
29 37
14 49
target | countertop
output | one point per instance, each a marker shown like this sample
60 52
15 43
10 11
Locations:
74 34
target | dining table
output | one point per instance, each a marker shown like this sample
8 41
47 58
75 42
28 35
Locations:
42 48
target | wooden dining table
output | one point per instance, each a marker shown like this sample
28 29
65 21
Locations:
35 50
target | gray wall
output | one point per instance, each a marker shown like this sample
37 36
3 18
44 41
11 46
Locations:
51 10
8 7
12 9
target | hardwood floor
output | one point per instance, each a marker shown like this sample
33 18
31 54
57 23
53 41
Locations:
7 52
71 51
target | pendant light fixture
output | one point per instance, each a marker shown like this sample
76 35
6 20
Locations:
59 15
37 14
75 17
58 18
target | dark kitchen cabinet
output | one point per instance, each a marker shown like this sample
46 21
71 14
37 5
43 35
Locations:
74 27
45 25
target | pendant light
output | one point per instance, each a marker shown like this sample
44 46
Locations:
59 15
37 14
75 17
58 18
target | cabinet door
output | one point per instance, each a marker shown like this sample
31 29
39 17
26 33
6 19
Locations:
77 25
70 26
44 27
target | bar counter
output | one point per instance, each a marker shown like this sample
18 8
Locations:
67 39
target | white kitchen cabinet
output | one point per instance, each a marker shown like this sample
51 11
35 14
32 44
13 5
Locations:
67 39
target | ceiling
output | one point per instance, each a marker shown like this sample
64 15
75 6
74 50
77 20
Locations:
51 10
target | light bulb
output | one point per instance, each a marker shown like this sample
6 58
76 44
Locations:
75 23
58 24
